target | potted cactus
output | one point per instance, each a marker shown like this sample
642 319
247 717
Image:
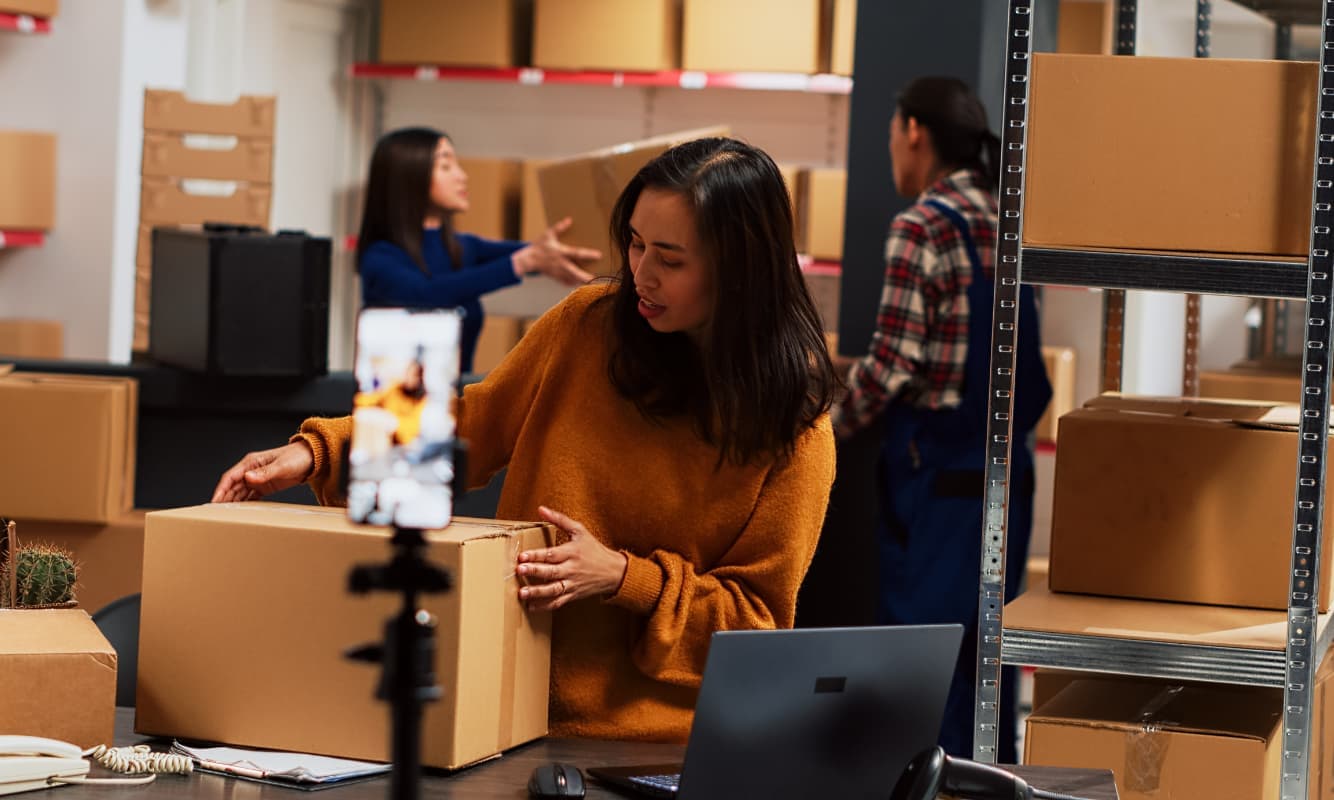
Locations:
35 575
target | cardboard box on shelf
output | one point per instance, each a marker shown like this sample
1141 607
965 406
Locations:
271 580
1164 739
826 190
60 676
499 335
1242 129
1145 485
164 201
843 34
70 441
169 111
606 35
1085 27
454 32
585 188
1060 363
32 338
794 177
824 287
110 556
169 155
493 198
37 8
751 35
28 191
1247 384
1048 682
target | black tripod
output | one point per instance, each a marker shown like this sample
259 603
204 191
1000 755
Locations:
408 652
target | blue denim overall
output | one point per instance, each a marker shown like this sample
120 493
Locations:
929 525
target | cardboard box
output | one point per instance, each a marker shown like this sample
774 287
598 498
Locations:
826 190
1163 739
143 299
1084 27
250 116
1145 485
32 338
59 676
795 178
751 35
532 215
70 442
585 188
493 198
1047 683
37 8
824 285
1244 384
1242 129
164 201
1060 364
28 191
456 32
110 556
498 337
844 37
643 35
168 155
267 668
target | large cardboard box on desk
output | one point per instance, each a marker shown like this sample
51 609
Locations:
606 34
69 443
57 676
28 189
457 32
1166 739
585 188
1178 499
246 617
1104 130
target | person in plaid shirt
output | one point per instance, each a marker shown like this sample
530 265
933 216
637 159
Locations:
925 375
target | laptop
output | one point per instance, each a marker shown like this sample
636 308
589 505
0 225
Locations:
815 712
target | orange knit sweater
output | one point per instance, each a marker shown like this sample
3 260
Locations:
708 549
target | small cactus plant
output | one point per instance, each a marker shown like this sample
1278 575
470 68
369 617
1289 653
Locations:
40 575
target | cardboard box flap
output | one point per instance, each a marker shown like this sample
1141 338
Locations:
30 631
333 520
1041 610
1151 706
1259 414
665 141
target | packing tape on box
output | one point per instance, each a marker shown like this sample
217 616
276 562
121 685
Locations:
1146 748
513 623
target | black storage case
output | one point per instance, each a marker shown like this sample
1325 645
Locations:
235 300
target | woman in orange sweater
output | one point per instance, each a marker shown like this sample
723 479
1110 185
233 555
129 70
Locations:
673 423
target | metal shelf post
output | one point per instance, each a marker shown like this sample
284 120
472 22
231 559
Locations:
1190 363
1114 300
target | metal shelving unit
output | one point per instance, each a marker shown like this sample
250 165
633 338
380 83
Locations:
669 79
1292 667
24 23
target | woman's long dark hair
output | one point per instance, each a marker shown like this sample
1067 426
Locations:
398 195
958 124
762 375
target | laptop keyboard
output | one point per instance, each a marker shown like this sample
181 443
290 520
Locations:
665 785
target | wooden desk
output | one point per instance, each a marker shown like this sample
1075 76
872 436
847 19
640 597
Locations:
505 777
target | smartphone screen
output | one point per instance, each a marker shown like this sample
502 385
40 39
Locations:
401 462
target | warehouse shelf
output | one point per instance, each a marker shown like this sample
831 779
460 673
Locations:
1193 642
21 239
674 79
24 23
1286 12
1166 272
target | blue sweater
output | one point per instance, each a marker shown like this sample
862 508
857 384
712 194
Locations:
389 277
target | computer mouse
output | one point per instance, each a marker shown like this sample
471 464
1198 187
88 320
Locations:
556 780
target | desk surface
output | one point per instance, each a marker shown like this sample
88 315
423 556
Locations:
505 777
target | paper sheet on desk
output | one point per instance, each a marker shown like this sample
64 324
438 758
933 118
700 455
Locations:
278 765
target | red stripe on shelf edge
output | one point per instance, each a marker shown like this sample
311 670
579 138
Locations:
24 23
21 239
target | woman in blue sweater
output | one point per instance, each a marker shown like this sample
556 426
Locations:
408 253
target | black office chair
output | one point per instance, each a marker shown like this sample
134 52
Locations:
119 623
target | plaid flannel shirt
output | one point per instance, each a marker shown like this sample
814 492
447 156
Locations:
918 350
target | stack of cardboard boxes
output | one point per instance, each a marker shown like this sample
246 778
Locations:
228 145
1164 502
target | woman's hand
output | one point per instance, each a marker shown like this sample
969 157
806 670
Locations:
553 259
265 472
582 567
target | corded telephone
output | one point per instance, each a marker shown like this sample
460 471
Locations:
31 762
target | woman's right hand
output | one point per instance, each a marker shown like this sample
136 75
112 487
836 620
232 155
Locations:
549 257
264 472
